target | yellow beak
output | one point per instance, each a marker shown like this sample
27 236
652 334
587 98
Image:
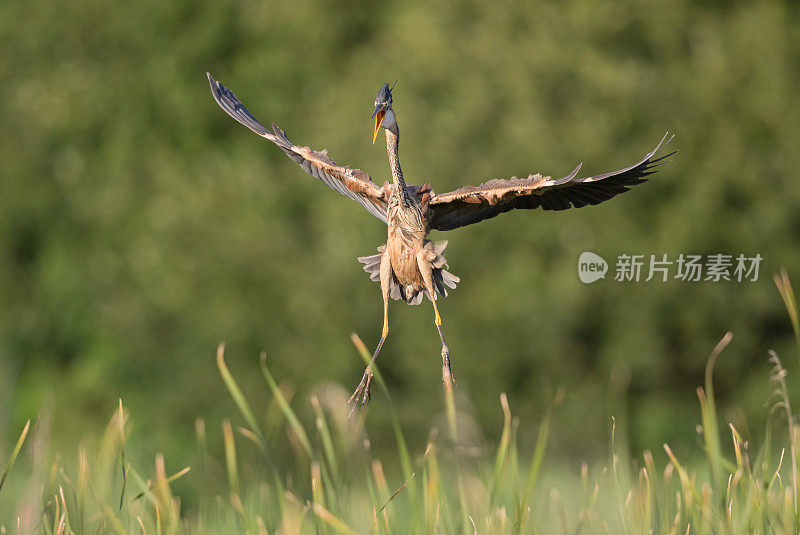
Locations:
378 121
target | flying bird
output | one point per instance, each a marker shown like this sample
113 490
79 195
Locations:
409 266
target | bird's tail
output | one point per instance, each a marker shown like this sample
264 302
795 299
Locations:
442 279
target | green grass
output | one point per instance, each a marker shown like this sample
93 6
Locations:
332 481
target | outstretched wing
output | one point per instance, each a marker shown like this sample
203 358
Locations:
353 183
471 204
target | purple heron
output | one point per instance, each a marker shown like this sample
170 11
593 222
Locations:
409 266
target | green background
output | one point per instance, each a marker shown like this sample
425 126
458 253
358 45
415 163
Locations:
140 226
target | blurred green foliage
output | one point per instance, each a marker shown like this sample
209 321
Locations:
140 226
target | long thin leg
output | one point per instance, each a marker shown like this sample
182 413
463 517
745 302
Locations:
362 394
448 379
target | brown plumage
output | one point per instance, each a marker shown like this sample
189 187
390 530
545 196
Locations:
409 266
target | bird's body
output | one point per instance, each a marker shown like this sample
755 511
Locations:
412 257
409 266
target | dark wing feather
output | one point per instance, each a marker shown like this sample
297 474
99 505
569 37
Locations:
353 183
471 204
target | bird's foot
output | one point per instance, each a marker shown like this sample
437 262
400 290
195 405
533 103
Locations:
361 395
448 379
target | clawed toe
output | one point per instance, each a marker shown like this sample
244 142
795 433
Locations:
361 396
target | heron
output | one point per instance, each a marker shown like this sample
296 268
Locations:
409 266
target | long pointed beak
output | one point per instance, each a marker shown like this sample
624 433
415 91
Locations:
378 120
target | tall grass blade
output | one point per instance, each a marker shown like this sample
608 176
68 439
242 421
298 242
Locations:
502 450
200 435
536 460
779 376
787 294
123 465
392 497
708 416
317 494
14 453
230 456
167 504
379 492
114 521
432 497
621 504
331 520
83 475
687 482
325 436
291 417
241 401
166 480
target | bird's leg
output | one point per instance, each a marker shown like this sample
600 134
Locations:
448 379
427 276
361 395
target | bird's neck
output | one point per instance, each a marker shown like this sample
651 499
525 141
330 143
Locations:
392 147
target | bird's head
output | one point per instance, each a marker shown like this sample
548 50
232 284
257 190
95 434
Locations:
383 114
